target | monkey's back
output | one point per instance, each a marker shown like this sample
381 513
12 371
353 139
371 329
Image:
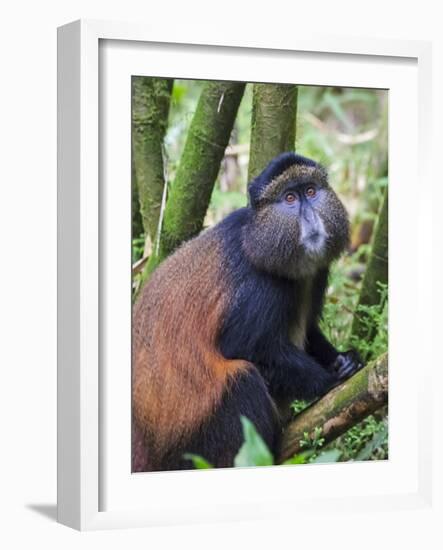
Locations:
178 373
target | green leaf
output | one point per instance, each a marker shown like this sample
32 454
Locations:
199 462
328 456
300 458
298 406
254 451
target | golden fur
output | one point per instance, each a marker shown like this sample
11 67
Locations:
178 374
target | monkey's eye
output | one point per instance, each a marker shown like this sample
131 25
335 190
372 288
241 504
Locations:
310 191
290 198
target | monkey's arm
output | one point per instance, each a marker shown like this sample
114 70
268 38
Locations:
319 347
290 372
255 328
343 364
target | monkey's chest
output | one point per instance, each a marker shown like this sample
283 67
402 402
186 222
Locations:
300 313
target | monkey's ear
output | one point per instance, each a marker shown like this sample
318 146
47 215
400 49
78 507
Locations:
276 167
254 193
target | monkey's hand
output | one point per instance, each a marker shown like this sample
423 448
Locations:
346 364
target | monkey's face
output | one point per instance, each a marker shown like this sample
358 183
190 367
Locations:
298 205
315 218
299 224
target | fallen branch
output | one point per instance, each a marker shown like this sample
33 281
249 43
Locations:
340 409
138 265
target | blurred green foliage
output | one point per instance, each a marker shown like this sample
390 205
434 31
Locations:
138 244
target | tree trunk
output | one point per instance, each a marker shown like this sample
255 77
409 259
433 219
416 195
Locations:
340 409
137 224
376 272
199 165
150 110
274 111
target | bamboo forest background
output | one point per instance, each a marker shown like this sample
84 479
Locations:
196 145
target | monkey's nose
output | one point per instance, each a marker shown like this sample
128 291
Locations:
313 236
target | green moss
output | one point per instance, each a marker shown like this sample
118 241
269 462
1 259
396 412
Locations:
351 390
273 124
336 401
150 108
204 149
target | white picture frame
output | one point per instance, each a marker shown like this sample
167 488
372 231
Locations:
95 487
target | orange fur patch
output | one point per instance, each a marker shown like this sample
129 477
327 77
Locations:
178 373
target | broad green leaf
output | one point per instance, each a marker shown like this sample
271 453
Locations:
199 462
254 451
327 456
300 458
